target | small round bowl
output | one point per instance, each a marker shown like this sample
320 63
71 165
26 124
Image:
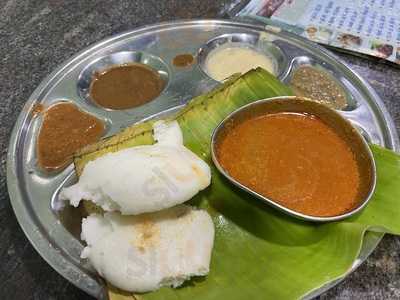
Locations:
244 40
114 60
332 118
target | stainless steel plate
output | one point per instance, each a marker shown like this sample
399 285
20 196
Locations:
33 193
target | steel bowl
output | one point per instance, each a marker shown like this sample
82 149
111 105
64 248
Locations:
342 126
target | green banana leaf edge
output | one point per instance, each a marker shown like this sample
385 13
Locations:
260 253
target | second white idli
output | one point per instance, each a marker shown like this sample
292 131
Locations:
145 252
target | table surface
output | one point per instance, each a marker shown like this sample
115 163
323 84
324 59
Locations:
37 35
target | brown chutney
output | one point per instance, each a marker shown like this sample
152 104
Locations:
183 60
126 86
313 83
65 129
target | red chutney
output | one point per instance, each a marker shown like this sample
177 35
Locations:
295 160
65 129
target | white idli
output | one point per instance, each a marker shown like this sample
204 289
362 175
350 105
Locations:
144 178
145 252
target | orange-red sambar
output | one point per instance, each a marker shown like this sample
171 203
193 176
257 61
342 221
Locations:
298 154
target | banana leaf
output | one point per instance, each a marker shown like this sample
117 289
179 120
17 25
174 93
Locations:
260 253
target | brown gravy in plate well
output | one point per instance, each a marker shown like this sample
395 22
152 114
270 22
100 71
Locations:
183 60
65 129
126 86
313 83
